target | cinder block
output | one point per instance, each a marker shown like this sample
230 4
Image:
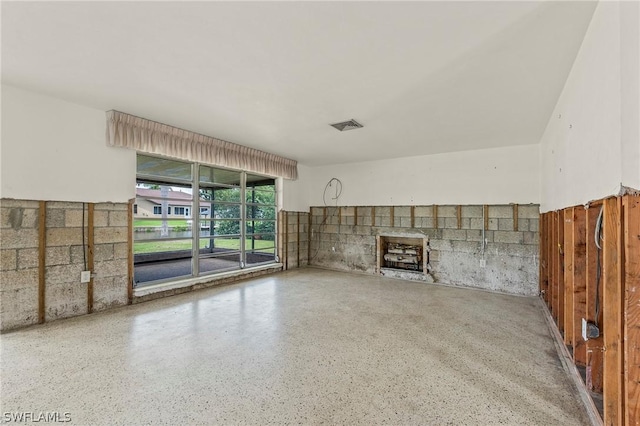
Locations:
466 223
57 256
488 235
118 218
404 222
345 229
469 247
531 238
101 219
442 245
103 252
77 254
18 218
111 268
111 235
472 211
61 274
65 300
8 260
19 308
21 238
384 221
513 250
454 234
383 211
112 206
424 222
14 280
73 218
109 293
362 230
529 211
402 211
501 211
450 223
30 218
423 211
476 223
493 224
6 220
447 211
27 204
505 224
474 235
63 205
534 225
55 218
509 237
64 236
433 234
330 229
523 224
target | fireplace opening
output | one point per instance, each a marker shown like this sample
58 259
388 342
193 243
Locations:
403 256
403 253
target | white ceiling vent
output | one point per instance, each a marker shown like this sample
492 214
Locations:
347 125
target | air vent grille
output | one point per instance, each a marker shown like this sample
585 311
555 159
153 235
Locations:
347 125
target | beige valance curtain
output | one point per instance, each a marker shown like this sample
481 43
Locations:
148 136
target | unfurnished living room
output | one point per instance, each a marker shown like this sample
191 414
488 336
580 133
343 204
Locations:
376 212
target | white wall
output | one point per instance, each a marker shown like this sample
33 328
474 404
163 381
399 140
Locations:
295 193
591 144
56 150
490 176
630 92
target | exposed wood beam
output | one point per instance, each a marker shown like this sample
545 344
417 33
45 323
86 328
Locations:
595 346
612 326
90 252
579 284
632 308
42 256
568 278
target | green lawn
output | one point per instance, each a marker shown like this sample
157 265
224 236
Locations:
160 246
158 222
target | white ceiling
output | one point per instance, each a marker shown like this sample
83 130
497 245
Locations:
422 77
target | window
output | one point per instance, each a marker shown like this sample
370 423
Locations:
236 226
135 209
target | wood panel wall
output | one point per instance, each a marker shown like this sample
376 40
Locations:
590 268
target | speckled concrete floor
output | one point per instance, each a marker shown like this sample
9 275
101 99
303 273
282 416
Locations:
306 347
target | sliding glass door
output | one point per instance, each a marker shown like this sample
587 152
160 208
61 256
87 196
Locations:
192 220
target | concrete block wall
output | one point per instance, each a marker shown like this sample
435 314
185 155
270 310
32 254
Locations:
294 240
65 295
19 268
510 256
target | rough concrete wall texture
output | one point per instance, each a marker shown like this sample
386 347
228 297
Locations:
65 259
508 263
19 263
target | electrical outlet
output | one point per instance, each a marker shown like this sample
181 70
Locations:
483 263
85 276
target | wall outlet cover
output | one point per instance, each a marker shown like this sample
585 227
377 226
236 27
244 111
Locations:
85 276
